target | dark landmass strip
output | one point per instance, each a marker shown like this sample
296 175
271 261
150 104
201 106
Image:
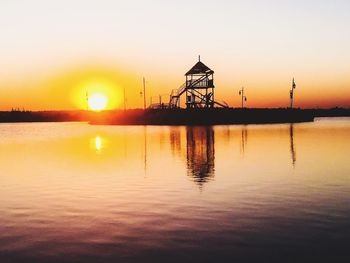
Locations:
43 116
176 116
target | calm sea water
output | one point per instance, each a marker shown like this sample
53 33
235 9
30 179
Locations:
72 192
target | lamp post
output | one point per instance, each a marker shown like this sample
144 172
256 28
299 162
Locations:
244 98
291 94
144 93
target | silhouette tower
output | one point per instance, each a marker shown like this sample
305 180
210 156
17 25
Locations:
199 88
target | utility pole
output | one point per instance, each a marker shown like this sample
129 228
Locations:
244 98
144 94
124 100
291 94
87 100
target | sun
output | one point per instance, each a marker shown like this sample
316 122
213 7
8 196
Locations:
97 102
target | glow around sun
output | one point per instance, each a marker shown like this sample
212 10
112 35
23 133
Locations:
97 102
96 94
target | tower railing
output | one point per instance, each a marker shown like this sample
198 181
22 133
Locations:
200 83
175 96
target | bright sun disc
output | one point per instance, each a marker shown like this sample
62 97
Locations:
97 102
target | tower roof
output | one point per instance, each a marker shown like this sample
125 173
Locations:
199 68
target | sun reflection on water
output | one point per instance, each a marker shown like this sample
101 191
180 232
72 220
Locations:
98 144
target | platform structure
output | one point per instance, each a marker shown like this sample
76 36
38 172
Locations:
198 88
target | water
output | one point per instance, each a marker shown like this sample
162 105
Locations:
72 192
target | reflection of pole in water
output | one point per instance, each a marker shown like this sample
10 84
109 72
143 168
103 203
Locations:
292 149
125 142
175 140
200 154
227 134
145 150
244 139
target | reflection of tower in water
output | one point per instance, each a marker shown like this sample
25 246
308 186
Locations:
200 154
292 148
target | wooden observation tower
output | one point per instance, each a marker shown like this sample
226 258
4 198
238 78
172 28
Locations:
199 88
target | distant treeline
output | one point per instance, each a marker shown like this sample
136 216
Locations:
43 116
333 112
176 116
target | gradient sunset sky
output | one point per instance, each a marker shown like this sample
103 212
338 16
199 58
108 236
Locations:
51 52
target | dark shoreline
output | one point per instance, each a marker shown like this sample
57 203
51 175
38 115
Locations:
214 116
176 116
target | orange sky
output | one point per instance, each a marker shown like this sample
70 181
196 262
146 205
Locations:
51 54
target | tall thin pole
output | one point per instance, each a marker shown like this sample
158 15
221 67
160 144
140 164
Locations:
291 93
124 100
244 98
144 94
87 100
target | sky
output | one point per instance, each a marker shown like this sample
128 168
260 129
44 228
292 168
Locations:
53 52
